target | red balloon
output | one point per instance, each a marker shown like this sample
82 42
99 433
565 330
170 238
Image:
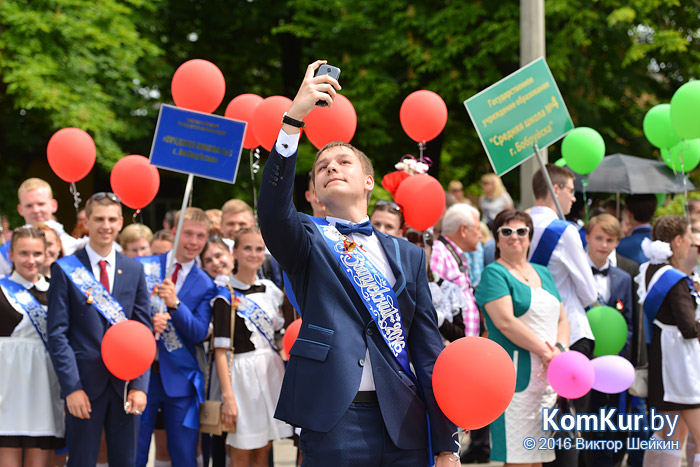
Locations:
135 181
198 85
128 349
422 199
423 115
267 119
327 124
242 108
71 153
473 381
290 335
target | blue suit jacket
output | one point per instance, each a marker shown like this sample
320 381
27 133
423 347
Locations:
191 321
76 329
324 372
621 289
631 246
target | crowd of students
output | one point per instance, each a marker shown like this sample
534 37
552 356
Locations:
526 281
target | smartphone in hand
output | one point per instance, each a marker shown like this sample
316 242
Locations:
327 70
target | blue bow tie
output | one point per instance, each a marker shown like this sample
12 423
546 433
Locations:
364 228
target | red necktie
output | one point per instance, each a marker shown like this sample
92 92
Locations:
103 274
178 266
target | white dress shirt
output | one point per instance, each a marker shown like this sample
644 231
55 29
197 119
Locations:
182 274
602 282
95 259
571 272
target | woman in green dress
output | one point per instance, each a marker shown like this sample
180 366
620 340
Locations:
524 314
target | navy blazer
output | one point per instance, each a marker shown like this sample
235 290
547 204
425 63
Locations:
325 368
191 321
631 246
621 289
76 329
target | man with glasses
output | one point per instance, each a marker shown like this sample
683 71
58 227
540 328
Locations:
90 291
557 245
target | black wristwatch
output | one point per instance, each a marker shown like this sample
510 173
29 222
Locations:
173 309
560 347
292 121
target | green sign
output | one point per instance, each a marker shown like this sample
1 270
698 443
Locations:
521 110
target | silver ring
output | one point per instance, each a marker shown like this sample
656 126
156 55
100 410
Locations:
137 412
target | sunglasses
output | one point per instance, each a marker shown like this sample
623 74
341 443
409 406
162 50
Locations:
419 238
381 203
521 232
105 194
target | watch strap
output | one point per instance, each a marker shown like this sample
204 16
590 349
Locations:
292 121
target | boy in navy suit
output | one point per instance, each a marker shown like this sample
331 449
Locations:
614 288
350 383
181 315
91 290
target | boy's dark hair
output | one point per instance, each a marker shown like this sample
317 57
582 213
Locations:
642 207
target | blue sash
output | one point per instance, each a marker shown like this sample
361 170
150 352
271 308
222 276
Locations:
657 294
94 291
548 241
374 290
5 252
251 311
36 312
170 341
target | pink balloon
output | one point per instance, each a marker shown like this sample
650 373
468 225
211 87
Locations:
267 119
423 115
327 124
242 108
613 374
571 374
198 85
71 153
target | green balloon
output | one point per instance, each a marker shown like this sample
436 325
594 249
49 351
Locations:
583 149
660 199
657 127
684 110
560 162
609 330
688 151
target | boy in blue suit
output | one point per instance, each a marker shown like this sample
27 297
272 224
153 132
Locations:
181 315
614 288
349 383
89 291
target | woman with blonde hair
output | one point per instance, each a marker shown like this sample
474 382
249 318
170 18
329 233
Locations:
54 249
495 198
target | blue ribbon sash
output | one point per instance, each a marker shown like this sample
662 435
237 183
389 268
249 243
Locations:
373 288
93 289
657 293
19 297
5 252
170 340
548 241
251 311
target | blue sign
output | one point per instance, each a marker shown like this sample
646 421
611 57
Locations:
196 143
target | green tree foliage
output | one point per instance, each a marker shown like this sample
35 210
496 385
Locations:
72 63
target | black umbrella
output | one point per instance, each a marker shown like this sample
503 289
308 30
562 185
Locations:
620 173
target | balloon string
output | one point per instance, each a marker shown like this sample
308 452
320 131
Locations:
254 169
76 197
136 213
685 187
421 148
584 184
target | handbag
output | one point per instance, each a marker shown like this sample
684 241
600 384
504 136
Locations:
210 410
